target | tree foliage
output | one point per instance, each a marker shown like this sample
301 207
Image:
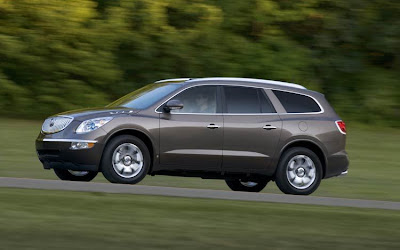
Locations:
57 55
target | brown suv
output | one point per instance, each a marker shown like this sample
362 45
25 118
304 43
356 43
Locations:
245 131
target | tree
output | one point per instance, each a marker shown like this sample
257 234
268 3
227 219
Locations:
58 53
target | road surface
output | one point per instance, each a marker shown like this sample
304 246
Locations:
192 193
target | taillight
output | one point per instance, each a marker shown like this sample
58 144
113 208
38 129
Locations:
341 126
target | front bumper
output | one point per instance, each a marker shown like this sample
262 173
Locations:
57 153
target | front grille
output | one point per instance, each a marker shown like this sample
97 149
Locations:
56 124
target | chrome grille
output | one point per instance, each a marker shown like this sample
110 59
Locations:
55 124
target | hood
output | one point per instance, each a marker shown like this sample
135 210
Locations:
90 113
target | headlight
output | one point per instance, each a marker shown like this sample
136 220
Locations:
92 124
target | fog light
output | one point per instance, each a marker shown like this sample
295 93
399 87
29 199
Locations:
81 145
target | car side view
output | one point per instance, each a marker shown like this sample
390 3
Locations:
244 131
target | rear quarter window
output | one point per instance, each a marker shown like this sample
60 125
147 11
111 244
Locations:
297 103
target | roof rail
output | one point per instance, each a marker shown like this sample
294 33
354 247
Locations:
173 80
286 84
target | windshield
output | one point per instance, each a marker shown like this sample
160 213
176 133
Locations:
145 97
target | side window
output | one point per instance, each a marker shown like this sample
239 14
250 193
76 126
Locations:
296 103
246 100
266 105
202 99
241 100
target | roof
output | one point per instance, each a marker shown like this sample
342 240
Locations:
236 79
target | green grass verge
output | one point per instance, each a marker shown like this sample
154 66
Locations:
38 219
374 163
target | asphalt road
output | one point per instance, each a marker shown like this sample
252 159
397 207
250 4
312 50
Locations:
192 193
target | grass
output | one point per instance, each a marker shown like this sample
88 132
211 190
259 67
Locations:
374 163
37 219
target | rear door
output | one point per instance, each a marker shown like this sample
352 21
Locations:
251 130
191 138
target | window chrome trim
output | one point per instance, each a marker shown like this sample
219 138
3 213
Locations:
250 113
68 140
257 87
194 113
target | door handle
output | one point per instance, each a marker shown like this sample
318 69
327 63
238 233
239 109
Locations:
269 127
212 126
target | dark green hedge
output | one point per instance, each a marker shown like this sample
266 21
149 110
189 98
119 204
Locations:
58 55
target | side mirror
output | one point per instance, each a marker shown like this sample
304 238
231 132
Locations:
173 105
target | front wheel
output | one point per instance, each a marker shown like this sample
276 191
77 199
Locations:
247 185
299 172
126 160
70 175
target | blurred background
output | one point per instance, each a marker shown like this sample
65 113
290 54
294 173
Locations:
58 55
61 55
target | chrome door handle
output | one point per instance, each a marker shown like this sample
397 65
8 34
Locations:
269 127
212 126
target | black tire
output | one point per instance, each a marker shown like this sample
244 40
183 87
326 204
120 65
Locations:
282 178
238 185
66 175
107 166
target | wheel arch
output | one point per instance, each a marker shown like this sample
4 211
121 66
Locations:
139 134
311 145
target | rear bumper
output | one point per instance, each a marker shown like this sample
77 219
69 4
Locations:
58 154
337 164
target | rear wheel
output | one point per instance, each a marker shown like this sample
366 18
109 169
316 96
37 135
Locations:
126 160
299 172
247 185
70 175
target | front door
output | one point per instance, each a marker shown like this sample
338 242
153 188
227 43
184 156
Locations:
191 138
251 130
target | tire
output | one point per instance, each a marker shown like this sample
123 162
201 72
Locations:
69 175
299 172
248 185
126 160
